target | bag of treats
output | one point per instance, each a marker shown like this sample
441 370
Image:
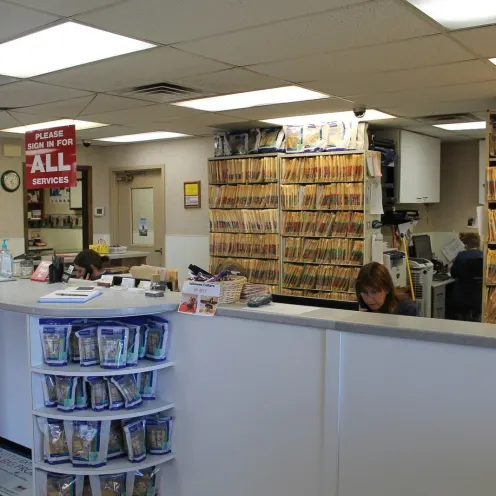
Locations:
294 139
133 345
144 482
158 435
88 347
55 448
109 485
66 393
55 335
49 484
112 342
129 389
157 339
116 400
254 136
134 436
271 139
81 394
314 139
99 393
148 384
116 440
238 143
88 442
335 136
49 390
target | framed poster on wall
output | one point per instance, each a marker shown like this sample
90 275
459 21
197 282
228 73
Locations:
192 194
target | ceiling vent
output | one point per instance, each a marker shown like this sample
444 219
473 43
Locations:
435 120
162 92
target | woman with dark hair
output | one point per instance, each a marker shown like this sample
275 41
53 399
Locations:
376 292
88 264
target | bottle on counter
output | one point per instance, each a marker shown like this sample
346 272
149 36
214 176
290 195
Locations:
5 260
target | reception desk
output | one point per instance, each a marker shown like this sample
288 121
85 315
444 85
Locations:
292 401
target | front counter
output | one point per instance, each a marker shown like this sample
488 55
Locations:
288 400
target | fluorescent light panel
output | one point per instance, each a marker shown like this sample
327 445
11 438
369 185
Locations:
456 14
62 46
80 125
133 138
273 96
462 126
493 61
370 115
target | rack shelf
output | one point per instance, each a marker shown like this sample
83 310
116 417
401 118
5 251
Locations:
301 262
242 257
319 237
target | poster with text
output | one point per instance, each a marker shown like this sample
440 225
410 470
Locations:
51 158
199 298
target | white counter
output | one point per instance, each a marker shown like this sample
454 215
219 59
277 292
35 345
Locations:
112 256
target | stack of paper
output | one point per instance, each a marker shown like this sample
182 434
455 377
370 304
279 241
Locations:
71 295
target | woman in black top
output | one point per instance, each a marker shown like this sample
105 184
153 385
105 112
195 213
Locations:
88 265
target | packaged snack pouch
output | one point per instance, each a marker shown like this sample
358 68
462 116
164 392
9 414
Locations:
148 384
144 482
116 440
254 136
55 448
140 323
55 336
88 442
81 394
238 143
99 393
335 136
109 485
49 390
49 484
129 389
112 342
116 400
158 435
133 345
157 339
88 346
66 393
134 435
362 143
221 145
314 138
294 139
271 139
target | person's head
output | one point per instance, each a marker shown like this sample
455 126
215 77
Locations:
471 241
375 289
89 262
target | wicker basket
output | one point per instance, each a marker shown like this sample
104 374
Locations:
230 291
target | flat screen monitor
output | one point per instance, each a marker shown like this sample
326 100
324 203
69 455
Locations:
422 246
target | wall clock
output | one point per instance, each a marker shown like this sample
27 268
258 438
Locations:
10 181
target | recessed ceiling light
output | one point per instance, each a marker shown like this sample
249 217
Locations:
456 14
80 125
273 96
370 115
462 126
62 46
132 138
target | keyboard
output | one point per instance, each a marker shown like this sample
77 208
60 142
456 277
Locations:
440 277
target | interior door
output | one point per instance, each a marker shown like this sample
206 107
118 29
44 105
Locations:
140 209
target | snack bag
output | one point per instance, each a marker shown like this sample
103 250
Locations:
49 484
238 143
335 136
113 342
158 435
221 146
313 138
116 400
129 389
49 390
81 394
88 442
55 335
109 485
66 393
254 136
134 435
55 448
148 384
133 345
116 441
271 139
144 482
88 347
294 139
141 324
157 339
99 393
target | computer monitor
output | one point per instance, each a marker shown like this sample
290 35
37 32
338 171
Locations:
422 246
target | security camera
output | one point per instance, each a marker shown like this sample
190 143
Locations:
359 111
86 143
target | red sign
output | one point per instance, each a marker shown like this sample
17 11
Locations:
51 158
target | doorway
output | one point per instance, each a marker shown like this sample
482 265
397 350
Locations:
138 211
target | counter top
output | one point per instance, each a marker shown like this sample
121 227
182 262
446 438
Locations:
23 295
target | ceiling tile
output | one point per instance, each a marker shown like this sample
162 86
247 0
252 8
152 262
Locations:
230 81
65 8
441 75
149 115
27 93
474 134
433 131
380 21
481 41
418 52
15 20
149 66
203 18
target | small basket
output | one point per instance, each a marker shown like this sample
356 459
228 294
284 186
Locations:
101 247
118 250
230 291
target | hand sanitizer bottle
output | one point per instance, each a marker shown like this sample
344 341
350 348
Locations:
5 261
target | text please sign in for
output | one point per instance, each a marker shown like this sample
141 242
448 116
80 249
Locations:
51 158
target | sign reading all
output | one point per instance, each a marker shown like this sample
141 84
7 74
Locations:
51 158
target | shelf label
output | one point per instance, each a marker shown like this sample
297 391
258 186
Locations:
199 298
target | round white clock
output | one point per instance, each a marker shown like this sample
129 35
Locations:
10 181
